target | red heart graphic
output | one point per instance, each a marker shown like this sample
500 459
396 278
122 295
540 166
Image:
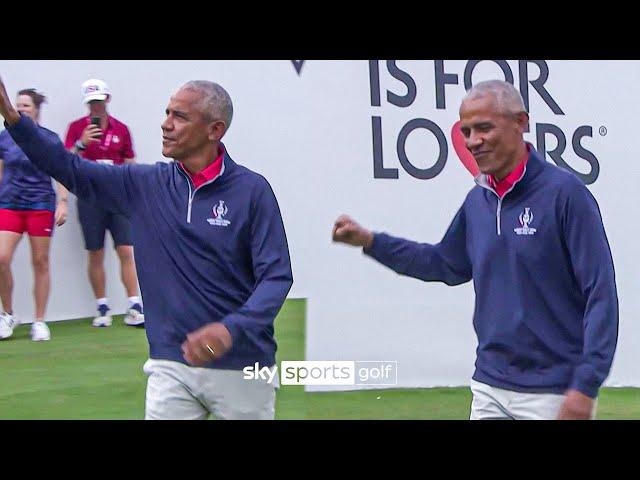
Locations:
465 156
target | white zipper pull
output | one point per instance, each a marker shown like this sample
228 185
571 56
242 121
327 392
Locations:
190 200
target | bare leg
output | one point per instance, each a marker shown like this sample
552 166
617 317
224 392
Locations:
40 260
97 276
8 243
128 270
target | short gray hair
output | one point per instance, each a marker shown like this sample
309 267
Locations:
508 98
215 103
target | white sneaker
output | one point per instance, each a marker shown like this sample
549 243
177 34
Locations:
134 317
7 324
40 332
102 321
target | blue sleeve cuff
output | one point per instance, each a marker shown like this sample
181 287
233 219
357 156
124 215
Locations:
586 380
234 329
372 251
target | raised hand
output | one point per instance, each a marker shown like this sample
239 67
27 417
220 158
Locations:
7 111
346 230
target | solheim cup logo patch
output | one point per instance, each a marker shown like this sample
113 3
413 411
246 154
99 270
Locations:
219 212
525 218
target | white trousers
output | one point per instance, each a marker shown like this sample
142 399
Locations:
178 392
492 403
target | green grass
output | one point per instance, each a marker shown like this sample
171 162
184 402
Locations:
91 373
82 373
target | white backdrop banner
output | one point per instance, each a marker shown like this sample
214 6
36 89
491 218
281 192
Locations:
371 139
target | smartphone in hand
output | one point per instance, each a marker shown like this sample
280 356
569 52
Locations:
96 121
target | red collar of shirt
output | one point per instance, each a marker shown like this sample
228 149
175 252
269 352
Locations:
504 185
209 173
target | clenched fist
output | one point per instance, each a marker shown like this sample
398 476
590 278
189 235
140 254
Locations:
206 344
346 230
576 406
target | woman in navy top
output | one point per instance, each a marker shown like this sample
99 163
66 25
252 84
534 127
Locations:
27 205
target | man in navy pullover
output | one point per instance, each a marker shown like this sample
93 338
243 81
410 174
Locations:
211 254
531 238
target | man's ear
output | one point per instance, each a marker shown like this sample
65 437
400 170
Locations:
217 130
523 121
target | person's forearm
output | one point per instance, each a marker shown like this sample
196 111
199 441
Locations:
63 193
7 111
49 157
87 180
262 307
593 269
271 269
11 116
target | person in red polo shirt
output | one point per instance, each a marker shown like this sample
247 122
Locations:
101 138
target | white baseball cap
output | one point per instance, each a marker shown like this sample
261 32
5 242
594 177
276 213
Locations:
94 89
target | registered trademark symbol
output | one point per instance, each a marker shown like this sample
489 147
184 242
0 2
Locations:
603 131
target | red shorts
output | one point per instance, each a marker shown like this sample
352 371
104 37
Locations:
37 223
